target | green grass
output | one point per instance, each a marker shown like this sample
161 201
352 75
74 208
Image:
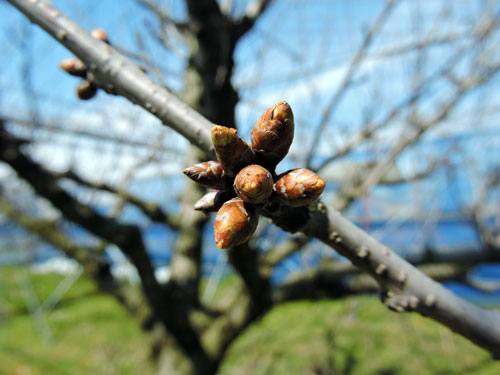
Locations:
354 336
89 333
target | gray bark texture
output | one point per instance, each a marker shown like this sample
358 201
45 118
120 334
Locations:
405 288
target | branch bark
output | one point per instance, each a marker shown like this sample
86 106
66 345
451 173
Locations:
407 289
168 303
153 211
117 75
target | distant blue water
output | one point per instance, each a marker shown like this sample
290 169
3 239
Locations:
405 237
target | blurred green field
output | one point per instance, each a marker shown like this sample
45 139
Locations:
89 333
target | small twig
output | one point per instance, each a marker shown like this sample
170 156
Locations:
353 67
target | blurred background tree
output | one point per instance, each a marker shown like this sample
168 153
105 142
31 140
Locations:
394 105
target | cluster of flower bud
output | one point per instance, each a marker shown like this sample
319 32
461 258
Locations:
244 176
86 89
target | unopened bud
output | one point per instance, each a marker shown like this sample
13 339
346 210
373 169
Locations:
86 90
100 34
272 134
213 200
232 151
235 223
74 66
209 174
299 187
253 184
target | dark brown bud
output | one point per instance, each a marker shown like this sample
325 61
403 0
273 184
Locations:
235 223
272 134
100 34
299 187
253 184
74 66
86 90
213 200
209 174
232 151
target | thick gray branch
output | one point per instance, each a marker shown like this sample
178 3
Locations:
406 287
117 75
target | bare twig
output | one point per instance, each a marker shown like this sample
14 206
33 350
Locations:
346 81
153 211
117 75
407 288
90 259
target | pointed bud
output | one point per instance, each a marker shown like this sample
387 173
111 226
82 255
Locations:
86 90
232 151
253 184
213 200
74 66
299 187
272 134
209 174
235 223
100 34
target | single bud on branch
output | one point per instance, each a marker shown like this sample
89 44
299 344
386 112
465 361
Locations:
100 34
74 66
272 134
213 200
235 223
209 174
253 184
86 90
232 151
299 187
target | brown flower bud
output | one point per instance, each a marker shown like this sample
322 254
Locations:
232 151
86 90
100 34
272 134
253 184
74 66
299 187
213 200
209 174
235 223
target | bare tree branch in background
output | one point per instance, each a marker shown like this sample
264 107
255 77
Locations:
195 336
347 80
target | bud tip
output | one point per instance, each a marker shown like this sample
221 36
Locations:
222 136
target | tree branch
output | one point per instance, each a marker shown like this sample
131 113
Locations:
168 304
327 282
126 237
153 211
117 75
347 79
90 259
276 255
407 288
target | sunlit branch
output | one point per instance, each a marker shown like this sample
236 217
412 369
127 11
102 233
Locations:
115 74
